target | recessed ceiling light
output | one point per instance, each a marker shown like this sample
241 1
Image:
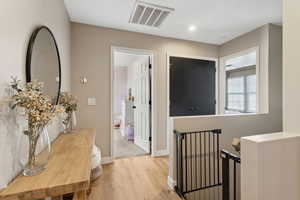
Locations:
192 28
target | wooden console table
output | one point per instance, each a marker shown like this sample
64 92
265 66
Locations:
68 171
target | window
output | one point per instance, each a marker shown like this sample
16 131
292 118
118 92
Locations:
241 87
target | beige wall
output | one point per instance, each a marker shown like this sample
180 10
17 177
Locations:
91 57
18 19
269 39
291 69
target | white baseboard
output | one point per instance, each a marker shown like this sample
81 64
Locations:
171 182
160 153
106 160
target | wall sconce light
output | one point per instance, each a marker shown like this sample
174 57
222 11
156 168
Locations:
83 80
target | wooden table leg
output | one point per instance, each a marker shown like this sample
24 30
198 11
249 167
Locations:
81 195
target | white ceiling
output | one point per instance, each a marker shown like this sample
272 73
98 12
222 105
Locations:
217 21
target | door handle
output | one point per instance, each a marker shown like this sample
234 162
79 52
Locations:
134 107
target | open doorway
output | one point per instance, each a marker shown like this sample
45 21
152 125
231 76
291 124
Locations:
131 110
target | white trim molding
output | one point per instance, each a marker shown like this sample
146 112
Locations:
106 160
160 153
154 110
171 182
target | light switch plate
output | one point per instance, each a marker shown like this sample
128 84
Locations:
92 101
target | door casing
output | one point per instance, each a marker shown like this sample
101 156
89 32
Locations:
153 111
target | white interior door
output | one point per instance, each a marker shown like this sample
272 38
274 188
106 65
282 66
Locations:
142 107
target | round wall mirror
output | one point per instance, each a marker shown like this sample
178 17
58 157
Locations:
43 62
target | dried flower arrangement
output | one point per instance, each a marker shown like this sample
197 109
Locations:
38 109
69 102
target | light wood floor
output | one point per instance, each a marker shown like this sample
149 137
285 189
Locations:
135 178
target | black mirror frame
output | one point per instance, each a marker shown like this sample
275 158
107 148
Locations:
29 55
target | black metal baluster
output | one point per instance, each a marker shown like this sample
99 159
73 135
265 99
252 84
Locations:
234 180
218 157
196 160
225 177
205 159
201 159
181 164
226 181
185 140
177 161
209 159
191 160
214 158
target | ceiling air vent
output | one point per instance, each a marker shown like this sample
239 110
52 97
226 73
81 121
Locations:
149 14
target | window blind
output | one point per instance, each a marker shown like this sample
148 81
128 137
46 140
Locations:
241 90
